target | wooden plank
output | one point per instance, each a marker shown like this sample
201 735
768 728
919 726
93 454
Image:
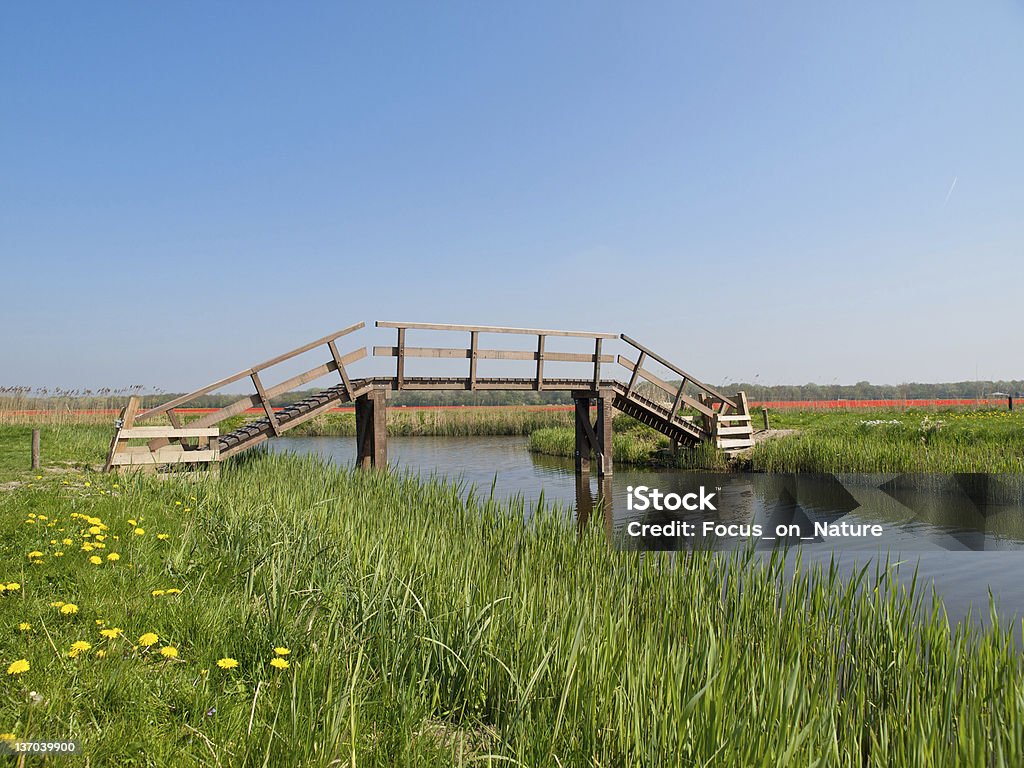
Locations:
490 354
494 329
654 356
265 401
734 444
734 430
597 364
170 454
172 432
636 372
243 446
736 417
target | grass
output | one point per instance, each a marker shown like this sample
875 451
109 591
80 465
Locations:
632 443
427 629
895 440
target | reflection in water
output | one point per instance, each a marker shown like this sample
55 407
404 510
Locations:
934 523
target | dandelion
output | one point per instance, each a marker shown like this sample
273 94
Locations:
163 536
148 639
24 627
8 737
79 647
34 554
95 530
19 666
13 586
55 554
100 622
101 654
169 652
66 542
113 557
68 608
133 523
227 663
96 560
173 591
57 604
278 663
158 592
281 651
140 532
112 633
88 484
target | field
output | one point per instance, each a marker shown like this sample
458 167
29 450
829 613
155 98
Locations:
294 613
882 440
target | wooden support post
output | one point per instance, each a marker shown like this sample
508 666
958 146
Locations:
372 430
603 427
125 421
540 363
583 443
35 449
636 372
595 438
764 415
597 364
340 362
472 359
400 373
265 401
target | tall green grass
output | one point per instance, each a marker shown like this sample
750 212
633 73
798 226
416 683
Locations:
428 629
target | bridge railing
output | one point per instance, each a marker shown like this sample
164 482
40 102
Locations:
474 353
263 395
708 396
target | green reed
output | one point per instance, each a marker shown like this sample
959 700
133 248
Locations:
428 629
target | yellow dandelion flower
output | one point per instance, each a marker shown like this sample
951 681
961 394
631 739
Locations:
8 737
13 586
148 639
158 592
278 663
66 542
113 557
100 622
19 666
3 588
173 591
69 608
80 646
55 554
140 531
282 651
133 523
163 536
57 604
34 553
96 560
31 516
101 654
112 633
177 503
87 547
24 627
88 484
227 663
169 652
42 517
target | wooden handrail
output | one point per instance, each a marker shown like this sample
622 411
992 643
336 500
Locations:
494 329
247 373
686 377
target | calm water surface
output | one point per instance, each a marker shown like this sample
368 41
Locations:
965 538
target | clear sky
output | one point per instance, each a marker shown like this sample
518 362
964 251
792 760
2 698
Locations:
793 191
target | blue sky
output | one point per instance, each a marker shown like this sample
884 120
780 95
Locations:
776 176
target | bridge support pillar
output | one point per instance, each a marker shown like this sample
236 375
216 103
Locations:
372 430
594 438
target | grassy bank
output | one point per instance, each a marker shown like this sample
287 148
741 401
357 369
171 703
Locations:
896 441
422 629
891 440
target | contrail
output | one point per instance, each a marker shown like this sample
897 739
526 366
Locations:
951 188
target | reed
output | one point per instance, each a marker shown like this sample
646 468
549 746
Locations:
428 627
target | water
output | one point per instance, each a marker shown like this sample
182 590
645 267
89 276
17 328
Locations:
964 540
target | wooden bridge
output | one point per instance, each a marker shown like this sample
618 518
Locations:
688 412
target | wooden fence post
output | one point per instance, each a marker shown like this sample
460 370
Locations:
764 415
35 449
